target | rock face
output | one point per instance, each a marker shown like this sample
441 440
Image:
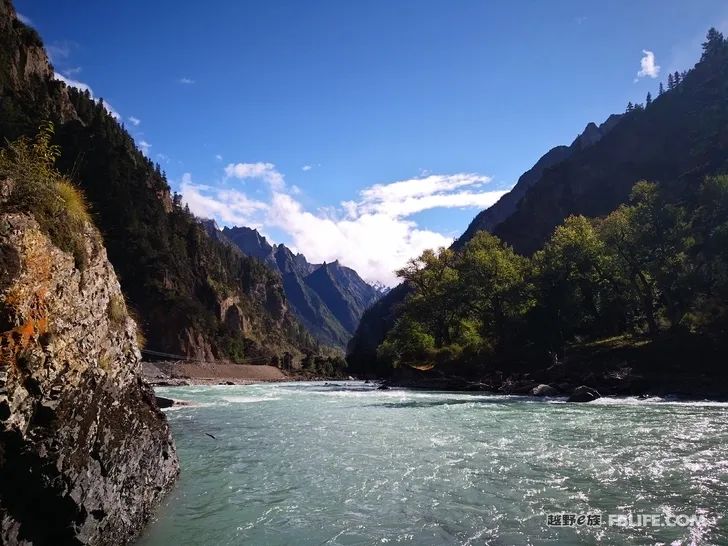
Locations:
85 454
328 299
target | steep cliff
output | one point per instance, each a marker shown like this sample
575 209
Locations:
328 299
493 216
194 295
85 455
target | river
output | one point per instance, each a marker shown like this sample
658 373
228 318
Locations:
343 463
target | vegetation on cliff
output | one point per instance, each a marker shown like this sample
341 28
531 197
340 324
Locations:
656 266
85 455
194 295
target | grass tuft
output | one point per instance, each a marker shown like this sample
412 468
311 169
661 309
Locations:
38 188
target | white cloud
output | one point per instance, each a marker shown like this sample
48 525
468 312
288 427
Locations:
186 81
230 206
374 234
85 87
134 121
144 145
218 157
306 168
23 19
649 68
262 171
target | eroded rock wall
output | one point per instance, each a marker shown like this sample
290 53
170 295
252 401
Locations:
85 455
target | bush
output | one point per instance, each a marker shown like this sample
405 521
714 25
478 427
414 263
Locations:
116 309
38 188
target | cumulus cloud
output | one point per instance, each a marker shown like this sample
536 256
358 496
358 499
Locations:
218 157
144 145
186 81
375 234
230 206
262 171
648 66
81 86
134 121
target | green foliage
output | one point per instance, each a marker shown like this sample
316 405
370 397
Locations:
652 265
38 187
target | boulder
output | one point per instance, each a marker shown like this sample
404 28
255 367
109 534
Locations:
544 390
583 394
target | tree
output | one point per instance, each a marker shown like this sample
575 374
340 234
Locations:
661 90
670 82
713 45
648 100
570 276
492 280
630 106
650 239
435 299
677 78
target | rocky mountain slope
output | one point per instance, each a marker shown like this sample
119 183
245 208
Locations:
329 299
678 139
194 295
493 216
85 455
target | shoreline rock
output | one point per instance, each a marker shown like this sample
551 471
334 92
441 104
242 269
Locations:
85 453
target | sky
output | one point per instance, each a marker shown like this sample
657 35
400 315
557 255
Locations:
363 131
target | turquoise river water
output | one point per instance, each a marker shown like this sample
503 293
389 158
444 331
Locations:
343 463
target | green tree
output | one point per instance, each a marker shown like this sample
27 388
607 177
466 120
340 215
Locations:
651 239
435 299
492 281
571 279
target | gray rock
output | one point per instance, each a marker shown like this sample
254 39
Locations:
85 455
544 390
583 394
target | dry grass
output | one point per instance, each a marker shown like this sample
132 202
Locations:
116 309
38 188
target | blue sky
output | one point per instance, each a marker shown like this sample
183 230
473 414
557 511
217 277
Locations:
364 131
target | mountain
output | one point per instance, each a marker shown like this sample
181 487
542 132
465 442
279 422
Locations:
379 319
193 295
677 139
506 205
328 299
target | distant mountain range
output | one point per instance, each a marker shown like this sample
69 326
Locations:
328 299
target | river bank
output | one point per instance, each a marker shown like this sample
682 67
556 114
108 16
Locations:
613 367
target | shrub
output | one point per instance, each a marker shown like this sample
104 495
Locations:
38 188
116 309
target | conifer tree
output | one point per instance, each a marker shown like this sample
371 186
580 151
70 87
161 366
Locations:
648 100
661 90
670 82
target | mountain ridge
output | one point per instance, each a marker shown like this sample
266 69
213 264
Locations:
328 298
